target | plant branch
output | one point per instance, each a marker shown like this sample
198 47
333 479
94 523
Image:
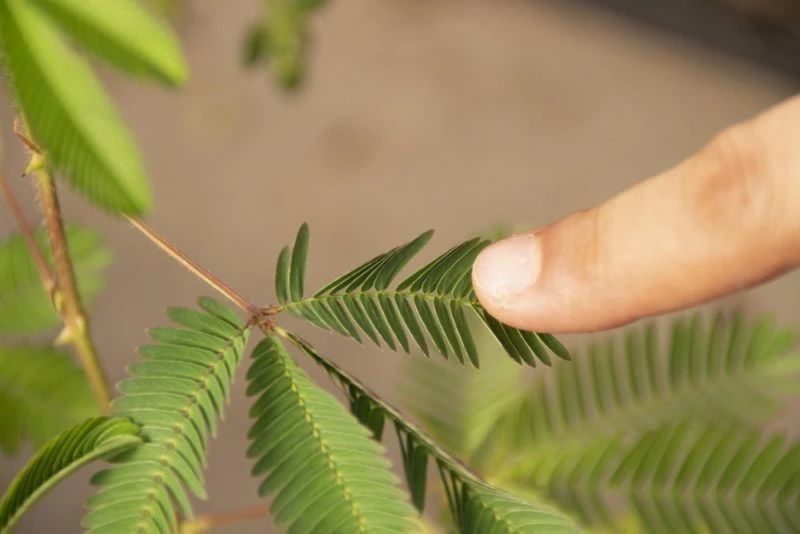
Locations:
32 147
204 523
346 380
67 300
198 270
48 281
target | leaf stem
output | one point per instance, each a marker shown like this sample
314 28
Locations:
347 381
67 300
198 270
204 523
48 281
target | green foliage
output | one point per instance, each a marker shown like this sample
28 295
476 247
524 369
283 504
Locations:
667 438
176 396
723 371
254 46
167 9
435 301
671 436
461 405
481 508
122 33
96 438
41 393
476 506
280 40
25 307
325 471
64 106
683 477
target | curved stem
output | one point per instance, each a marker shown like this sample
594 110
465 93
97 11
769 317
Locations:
67 300
198 270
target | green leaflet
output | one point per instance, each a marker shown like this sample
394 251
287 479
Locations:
634 427
254 45
433 307
722 369
25 307
122 33
415 461
41 393
95 438
68 113
279 39
476 506
460 405
482 508
690 477
324 470
176 395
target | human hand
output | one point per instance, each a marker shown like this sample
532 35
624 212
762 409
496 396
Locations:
725 219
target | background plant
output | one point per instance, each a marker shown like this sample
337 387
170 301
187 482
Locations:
637 434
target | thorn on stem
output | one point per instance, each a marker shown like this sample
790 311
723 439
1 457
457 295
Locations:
35 164
64 337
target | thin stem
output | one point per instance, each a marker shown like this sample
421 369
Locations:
346 381
32 147
68 301
198 270
48 281
204 523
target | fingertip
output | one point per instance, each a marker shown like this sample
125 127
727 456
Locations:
505 273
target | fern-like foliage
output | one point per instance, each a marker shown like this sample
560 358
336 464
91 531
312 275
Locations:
325 471
176 395
64 106
279 39
41 393
67 452
481 508
613 430
432 304
683 477
460 405
476 506
722 369
25 307
122 33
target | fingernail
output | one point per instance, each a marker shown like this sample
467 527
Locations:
508 268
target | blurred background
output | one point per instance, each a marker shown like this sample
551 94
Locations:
457 115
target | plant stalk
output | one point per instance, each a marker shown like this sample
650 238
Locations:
48 281
198 270
67 299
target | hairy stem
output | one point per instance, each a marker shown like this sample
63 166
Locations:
198 270
205 523
67 300
48 281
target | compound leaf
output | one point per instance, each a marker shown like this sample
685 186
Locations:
100 437
68 113
122 33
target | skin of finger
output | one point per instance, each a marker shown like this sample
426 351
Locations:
724 219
